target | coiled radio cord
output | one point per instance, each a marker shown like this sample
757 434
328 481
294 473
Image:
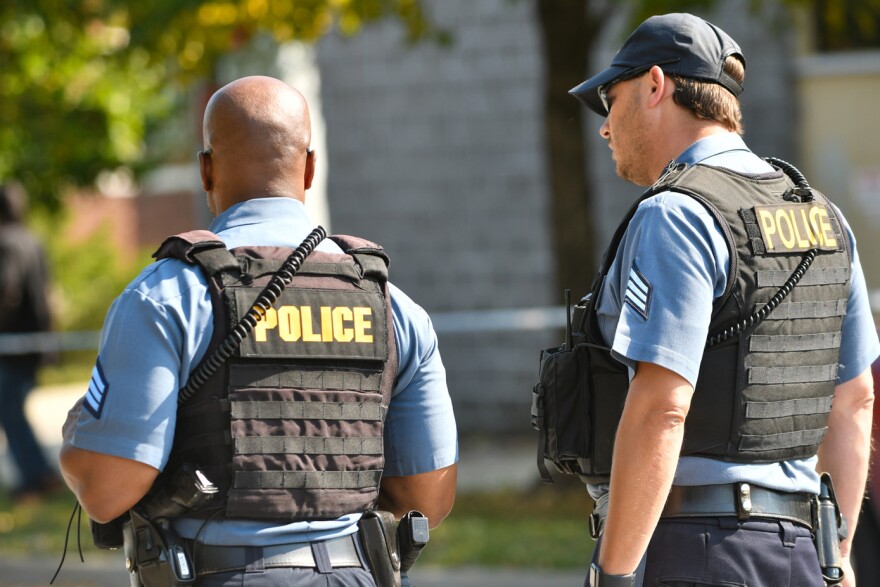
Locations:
801 192
258 309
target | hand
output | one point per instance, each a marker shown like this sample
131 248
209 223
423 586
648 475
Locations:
849 576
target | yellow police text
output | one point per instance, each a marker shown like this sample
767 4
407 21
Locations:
798 227
337 324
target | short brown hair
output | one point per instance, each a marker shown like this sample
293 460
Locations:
711 101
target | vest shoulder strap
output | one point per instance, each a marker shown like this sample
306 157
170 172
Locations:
371 257
198 247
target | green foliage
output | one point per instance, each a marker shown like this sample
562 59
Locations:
546 527
83 81
86 275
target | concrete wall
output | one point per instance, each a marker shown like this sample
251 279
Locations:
840 148
436 152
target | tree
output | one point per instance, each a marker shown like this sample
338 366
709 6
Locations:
83 81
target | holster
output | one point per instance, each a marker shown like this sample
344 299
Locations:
829 528
155 555
378 535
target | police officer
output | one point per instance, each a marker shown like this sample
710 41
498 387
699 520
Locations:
296 448
715 457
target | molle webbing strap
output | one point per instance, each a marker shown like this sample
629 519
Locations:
799 374
788 310
792 407
795 342
815 276
306 479
308 445
272 376
300 410
269 266
762 443
753 231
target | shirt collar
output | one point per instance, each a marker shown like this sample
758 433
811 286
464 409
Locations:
711 146
258 211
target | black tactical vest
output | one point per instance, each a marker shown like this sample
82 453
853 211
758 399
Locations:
764 394
291 428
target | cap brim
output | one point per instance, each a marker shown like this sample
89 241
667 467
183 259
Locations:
588 91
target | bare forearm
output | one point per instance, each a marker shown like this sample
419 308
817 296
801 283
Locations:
845 451
431 493
646 453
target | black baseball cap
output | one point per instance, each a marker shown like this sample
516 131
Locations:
679 43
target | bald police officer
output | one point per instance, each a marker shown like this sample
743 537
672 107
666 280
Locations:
334 405
715 460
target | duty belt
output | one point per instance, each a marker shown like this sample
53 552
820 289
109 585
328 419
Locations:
742 500
342 552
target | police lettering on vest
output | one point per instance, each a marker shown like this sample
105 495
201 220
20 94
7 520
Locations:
316 323
789 228
336 323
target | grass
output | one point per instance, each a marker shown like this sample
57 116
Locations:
543 527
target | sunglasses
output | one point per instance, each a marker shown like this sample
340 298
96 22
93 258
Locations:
603 89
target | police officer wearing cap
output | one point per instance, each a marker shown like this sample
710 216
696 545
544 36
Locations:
733 408
335 404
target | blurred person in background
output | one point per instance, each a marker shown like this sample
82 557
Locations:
24 308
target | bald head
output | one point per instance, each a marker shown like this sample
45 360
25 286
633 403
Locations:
258 132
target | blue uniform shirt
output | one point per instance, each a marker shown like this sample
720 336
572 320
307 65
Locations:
656 304
159 329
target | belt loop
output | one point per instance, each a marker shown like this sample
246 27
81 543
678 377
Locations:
743 501
253 556
788 533
322 558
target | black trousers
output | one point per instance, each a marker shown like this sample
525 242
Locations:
724 552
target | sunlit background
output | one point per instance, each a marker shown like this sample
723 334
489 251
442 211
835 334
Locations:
444 132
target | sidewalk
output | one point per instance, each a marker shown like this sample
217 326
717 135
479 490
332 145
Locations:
483 465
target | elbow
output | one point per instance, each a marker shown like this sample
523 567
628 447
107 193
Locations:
674 417
101 513
440 509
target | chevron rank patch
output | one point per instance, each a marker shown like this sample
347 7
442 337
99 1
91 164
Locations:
638 292
97 393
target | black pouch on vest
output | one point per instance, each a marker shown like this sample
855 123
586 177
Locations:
108 536
577 403
378 534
